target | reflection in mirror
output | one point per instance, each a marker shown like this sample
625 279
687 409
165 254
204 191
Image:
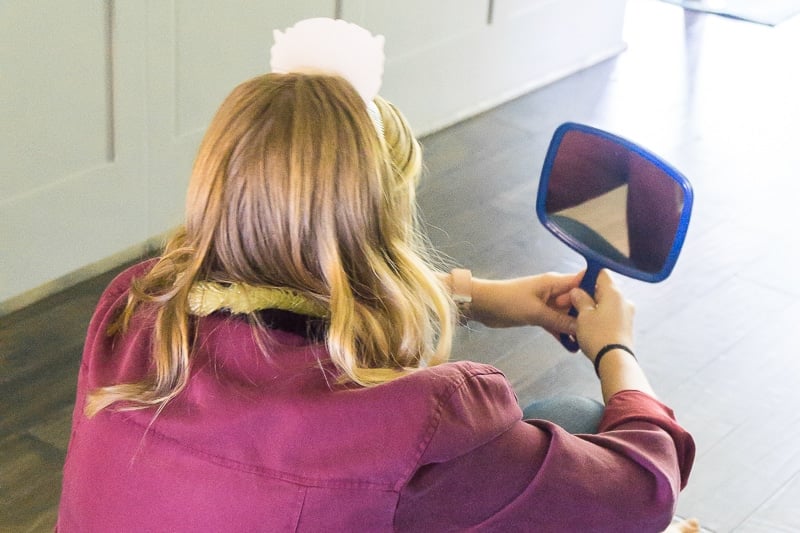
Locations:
615 203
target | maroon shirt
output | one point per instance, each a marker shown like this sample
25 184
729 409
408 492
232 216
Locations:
270 443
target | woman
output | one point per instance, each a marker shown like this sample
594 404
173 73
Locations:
284 364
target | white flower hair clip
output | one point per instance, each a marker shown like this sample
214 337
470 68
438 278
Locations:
330 46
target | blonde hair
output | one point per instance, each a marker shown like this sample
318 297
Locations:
293 187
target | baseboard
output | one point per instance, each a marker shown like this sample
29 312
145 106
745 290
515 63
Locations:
89 271
522 90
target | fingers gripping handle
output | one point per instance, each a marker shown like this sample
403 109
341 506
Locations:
588 282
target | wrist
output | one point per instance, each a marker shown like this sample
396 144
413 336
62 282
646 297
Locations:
461 291
610 354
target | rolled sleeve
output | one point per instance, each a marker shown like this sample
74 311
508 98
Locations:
535 476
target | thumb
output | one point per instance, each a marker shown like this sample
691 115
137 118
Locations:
581 301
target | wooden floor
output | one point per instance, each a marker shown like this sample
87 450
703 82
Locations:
718 98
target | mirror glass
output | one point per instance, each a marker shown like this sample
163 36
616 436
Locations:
615 203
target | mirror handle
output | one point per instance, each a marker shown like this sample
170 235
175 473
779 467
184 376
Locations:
569 341
588 282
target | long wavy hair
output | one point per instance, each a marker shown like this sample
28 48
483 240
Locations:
294 187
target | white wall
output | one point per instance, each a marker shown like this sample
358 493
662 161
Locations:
452 63
103 104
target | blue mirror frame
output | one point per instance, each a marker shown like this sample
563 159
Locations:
590 254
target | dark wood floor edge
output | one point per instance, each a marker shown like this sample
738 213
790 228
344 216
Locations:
37 294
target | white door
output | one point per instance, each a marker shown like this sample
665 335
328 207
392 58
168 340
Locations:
198 50
102 107
73 187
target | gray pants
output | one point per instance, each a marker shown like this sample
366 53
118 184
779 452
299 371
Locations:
576 414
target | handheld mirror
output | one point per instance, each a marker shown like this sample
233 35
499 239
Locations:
615 203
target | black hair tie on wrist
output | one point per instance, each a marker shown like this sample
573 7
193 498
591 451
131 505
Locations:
607 348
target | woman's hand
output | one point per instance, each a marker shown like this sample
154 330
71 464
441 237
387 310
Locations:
605 319
542 300
608 319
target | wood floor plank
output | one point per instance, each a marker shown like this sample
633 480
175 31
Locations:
31 484
779 514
